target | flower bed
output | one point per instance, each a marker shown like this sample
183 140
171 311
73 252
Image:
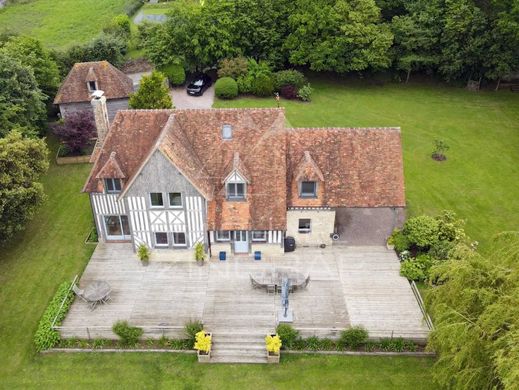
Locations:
163 343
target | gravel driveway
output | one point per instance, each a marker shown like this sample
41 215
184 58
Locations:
182 100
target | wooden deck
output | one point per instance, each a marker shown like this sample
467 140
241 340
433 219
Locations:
349 286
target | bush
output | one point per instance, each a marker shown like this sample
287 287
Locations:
152 93
353 337
305 93
262 86
233 67
46 337
77 131
288 92
288 335
289 77
133 6
120 25
399 240
417 269
441 250
450 228
143 252
245 84
191 329
226 88
175 74
421 231
199 252
181 344
313 343
129 335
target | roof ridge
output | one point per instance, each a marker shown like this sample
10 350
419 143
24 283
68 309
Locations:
396 128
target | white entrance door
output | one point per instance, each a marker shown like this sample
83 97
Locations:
241 244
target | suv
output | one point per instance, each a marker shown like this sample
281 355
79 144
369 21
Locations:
199 84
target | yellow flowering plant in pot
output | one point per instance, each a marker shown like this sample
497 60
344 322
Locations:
203 341
273 344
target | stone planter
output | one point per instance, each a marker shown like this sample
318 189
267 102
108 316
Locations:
203 357
273 358
390 247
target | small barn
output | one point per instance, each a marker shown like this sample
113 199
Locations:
84 78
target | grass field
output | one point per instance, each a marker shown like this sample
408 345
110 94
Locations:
479 179
51 250
60 23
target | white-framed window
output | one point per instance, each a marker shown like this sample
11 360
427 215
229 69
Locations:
161 239
226 132
175 199
236 191
305 225
259 235
117 227
223 235
156 199
112 185
308 189
92 86
179 239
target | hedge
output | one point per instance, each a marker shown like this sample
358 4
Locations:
175 73
46 337
226 88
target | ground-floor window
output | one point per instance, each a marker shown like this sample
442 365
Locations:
223 235
259 235
117 227
305 225
179 239
161 239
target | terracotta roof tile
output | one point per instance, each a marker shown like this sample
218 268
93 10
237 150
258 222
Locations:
111 169
114 83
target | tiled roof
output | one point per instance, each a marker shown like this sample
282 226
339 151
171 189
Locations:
111 169
114 83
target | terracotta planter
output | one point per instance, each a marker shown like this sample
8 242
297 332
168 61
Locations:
272 358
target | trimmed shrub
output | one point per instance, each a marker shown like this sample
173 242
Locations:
305 93
143 253
353 337
399 240
233 67
421 231
129 335
288 92
191 328
76 131
46 337
245 84
175 74
417 269
263 86
199 252
226 88
450 228
289 77
288 335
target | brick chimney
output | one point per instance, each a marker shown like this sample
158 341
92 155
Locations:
100 115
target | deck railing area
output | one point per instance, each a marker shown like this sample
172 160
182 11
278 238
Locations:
427 318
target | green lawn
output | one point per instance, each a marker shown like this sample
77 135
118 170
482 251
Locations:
60 23
51 250
479 179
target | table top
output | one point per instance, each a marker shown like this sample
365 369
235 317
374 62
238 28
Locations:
97 290
276 277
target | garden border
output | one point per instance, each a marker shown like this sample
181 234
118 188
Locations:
71 160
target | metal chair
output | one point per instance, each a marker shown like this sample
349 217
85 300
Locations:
307 280
79 292
254 283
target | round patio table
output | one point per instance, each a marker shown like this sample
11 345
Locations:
97 291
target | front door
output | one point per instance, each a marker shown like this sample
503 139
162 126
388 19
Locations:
241 244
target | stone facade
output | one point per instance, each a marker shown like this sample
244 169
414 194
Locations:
322 223
112 105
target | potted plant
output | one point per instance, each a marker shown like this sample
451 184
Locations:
199 253
144 254
273 343
203 342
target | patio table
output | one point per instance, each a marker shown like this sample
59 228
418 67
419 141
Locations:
275 278
97 291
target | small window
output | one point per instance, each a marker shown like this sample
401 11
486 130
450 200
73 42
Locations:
175 199
113 185
156 199
179 239
259 235
227 132
308 189
223 235
161 239
236 191
305 226
92 86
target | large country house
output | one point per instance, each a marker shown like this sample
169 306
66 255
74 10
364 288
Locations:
237 180
86 77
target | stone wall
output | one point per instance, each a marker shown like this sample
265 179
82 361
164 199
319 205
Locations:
112 105
322 225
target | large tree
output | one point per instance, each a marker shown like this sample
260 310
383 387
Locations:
152 93
475 306
339 35
22 162
21 101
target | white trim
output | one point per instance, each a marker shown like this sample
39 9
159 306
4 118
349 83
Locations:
179 245
304 230
151 203
181 201
218 239
160 245
264 239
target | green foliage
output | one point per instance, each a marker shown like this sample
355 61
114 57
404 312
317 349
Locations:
30 52
305 93
175 74
233 67
440 148
416 269
399 240
451 228
143 252
393 345
262 86
421 231
119 26
181 344
475 306
46 337
191 329
129 335
288 334
199 252
353 337
152 93
226 88
21 101
289 77
22 163
245 84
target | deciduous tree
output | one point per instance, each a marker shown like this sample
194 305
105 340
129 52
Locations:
152 93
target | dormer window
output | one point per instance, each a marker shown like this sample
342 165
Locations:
308 189
92 86
113 185
226 132
235 191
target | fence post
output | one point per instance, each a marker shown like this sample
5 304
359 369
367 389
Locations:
88 333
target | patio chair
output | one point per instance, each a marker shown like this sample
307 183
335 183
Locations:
254 283
307 280
79 292
271 288
107 298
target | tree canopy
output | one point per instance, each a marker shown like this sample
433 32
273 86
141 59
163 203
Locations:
152 93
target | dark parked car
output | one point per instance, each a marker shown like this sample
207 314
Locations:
199 84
